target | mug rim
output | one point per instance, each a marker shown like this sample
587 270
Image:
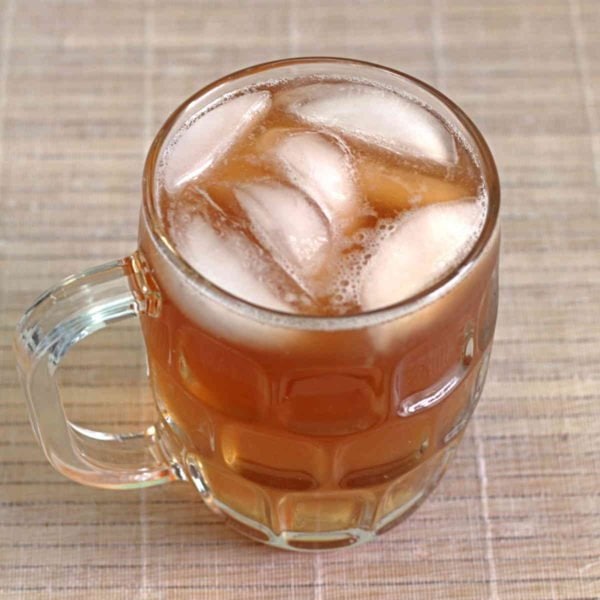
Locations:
376 316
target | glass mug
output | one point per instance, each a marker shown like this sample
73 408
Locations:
305 432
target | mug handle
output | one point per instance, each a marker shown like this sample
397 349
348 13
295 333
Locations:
64 315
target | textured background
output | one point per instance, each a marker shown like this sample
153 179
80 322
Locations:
83 88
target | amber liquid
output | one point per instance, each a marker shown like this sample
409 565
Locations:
324 435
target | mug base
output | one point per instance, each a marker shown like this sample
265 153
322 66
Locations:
318 541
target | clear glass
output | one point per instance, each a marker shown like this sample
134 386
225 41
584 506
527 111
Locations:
305 432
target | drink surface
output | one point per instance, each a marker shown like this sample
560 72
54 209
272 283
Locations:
322 198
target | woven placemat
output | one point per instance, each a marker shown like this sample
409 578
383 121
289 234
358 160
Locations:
83 88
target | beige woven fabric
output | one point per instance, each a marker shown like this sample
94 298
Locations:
84 86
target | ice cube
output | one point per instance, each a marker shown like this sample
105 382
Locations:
425 244
227 259
375 115
209 137
399 188
321 167
287 224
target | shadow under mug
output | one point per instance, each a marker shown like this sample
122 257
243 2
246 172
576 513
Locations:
305 432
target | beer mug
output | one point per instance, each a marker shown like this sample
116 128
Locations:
308 420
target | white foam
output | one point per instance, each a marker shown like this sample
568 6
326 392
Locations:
227 260
210 135
287 224
424 245
375 115
321 167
